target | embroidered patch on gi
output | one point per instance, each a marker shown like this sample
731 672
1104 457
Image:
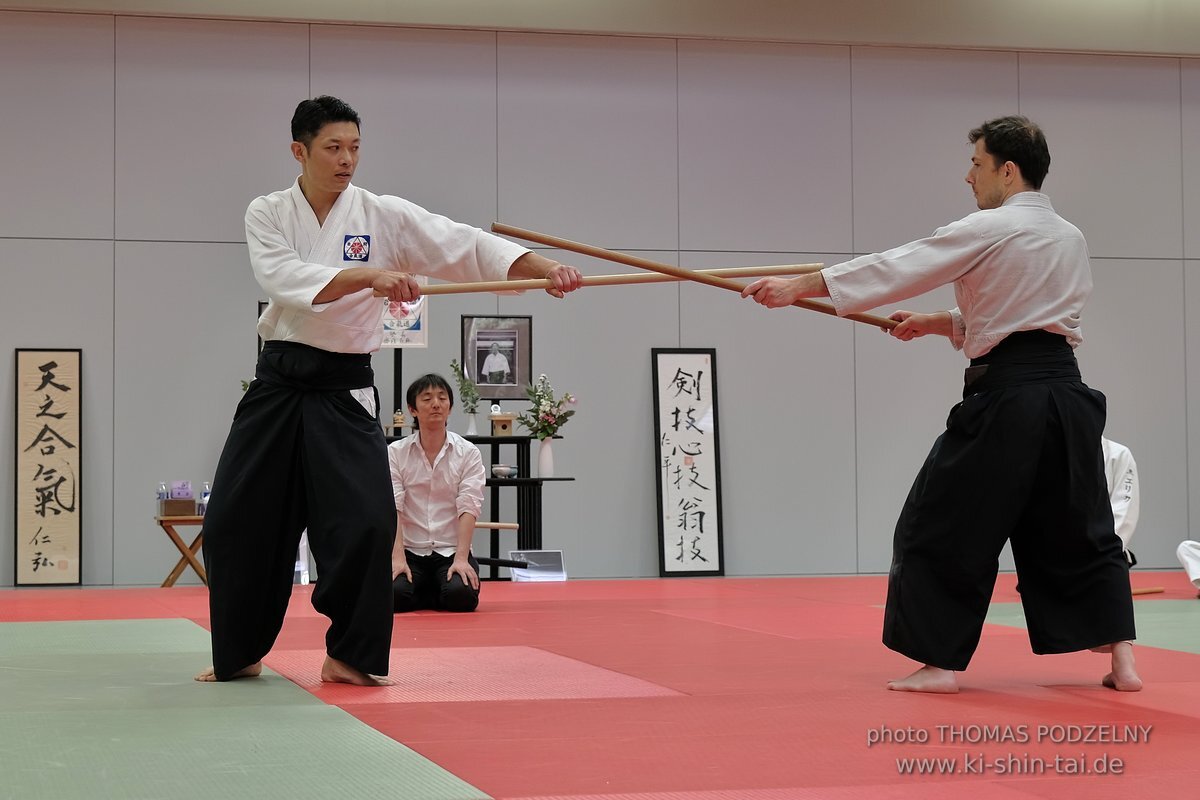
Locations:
357 247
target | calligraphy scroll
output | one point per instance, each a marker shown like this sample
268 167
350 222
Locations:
48 473
688 462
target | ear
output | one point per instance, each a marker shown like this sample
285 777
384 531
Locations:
299 152
1011 171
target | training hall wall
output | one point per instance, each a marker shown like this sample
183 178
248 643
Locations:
133 142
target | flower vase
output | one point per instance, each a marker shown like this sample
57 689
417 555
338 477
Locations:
545 459
471 429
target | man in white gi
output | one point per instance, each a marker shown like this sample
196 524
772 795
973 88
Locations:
1020 459
1188 553
1120 472
495 367
306 448
437 480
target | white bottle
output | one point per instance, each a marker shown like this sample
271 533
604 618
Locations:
163 492
204 494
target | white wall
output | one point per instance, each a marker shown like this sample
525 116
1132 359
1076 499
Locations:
137 142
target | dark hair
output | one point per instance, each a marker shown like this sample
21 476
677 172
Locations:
429 381
1018 140
312 115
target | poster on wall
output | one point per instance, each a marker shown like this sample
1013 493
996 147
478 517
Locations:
688 462
407 324
48 468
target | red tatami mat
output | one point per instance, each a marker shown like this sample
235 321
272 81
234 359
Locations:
468 674
716 689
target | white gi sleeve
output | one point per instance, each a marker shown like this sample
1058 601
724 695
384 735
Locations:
287 279
911 269
442 248
1123 490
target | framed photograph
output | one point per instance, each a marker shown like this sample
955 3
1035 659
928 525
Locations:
688 458
497 352
49 467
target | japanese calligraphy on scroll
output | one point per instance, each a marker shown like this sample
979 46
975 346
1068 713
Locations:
688 462
48 459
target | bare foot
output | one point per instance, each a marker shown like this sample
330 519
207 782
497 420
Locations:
334 671
927 679
1124 677
210 675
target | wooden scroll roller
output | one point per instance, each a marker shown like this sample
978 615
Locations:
670 269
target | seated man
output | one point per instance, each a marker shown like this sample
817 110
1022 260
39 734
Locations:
437 479
1120 471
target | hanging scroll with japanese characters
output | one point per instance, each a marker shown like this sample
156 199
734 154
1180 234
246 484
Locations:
688 462
48 459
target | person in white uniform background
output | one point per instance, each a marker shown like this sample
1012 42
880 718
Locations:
437 481
306 448
1120 471
1020 457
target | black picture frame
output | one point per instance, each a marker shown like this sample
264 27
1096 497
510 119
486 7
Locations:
510 338
48 467
687 453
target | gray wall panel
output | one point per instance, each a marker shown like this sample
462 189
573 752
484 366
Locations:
428 103
63 298
787 424
1190 95
764 147
912 112
202 123
1132 350
635 143
56 86
185 338
1104 116
587 138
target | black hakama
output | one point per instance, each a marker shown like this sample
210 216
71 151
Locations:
302 453
1020 461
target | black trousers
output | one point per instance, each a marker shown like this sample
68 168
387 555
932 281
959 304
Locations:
302 453
1020 461
429 587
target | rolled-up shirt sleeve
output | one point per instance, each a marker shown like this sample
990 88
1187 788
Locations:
397 480
470 485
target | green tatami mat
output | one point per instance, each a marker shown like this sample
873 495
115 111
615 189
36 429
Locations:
108 709
1169 624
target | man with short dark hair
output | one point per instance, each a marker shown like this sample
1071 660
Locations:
1020 459
306 448
437 481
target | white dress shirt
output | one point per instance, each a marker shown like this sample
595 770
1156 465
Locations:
431 497
1019 267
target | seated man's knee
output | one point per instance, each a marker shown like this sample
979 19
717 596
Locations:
458 596
403 595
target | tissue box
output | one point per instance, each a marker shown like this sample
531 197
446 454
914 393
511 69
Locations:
177 507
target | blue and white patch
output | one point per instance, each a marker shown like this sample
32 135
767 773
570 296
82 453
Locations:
357 247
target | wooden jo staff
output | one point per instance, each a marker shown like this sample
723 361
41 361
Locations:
669 269
613 280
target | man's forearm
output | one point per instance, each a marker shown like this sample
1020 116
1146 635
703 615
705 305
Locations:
466 531
531 265
348 281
